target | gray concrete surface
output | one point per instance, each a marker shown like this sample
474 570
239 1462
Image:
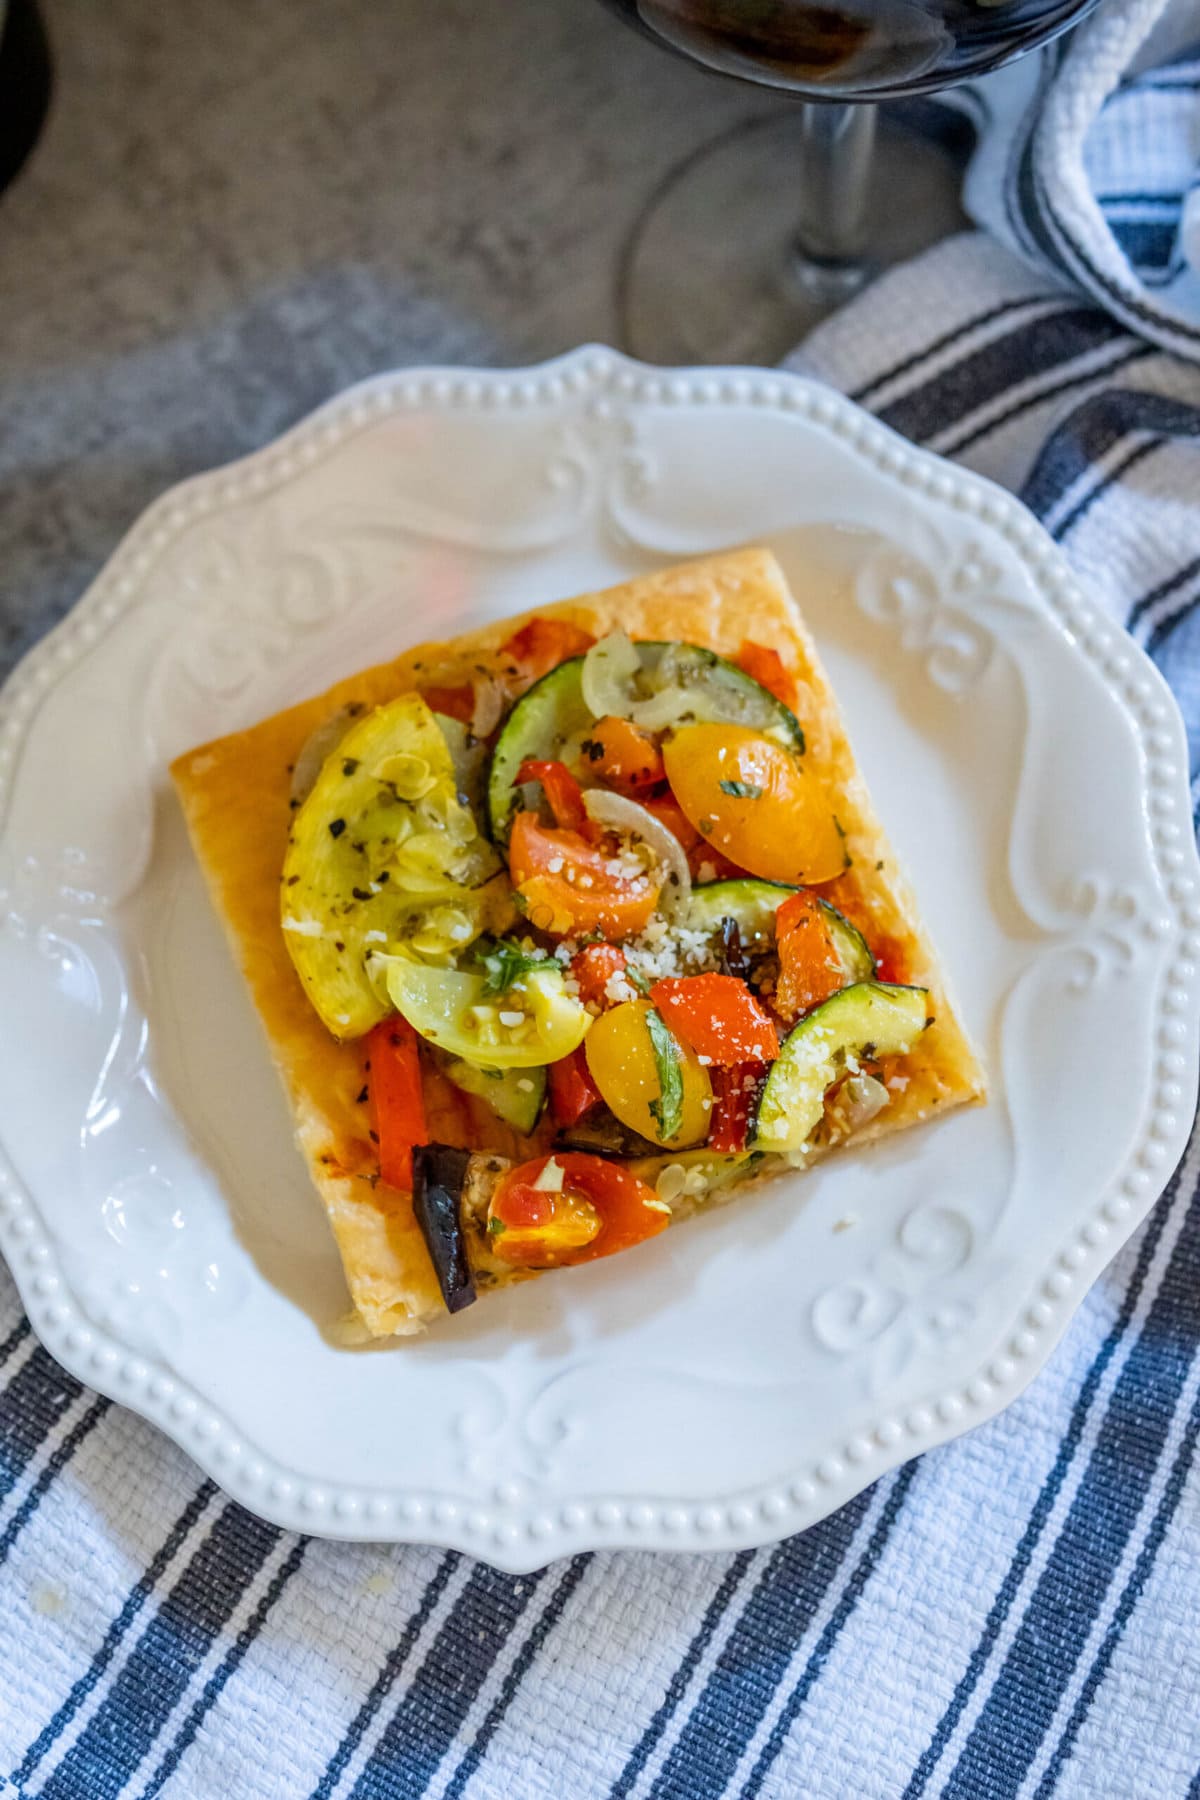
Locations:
237 208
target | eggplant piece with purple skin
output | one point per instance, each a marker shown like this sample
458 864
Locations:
732 957
601 1133
439 1173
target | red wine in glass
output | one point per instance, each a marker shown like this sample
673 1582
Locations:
755 240
857 50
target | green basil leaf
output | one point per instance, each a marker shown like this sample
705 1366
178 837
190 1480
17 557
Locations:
505 962
668 1063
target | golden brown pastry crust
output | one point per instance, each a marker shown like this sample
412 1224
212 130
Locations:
235 796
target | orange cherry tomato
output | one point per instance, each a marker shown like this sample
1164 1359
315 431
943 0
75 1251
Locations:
624 757
718 1016
766 666
810 969
537 1225
397 1099
754 801
567 886
542 644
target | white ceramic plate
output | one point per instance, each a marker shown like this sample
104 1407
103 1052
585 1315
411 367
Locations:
740 1377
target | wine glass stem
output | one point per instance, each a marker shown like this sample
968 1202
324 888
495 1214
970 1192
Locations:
837 148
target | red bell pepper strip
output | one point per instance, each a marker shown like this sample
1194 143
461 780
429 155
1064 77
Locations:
736 1093
397 1099
544 643
719 1017
572 1090
810 969
563 794
766 666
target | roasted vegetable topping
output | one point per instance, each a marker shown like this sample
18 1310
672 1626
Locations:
624 771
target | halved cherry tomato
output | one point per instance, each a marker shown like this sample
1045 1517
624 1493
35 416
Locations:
766 666
736 1093
718 1016
627 1209
397 1099
810 969
572 1090
753 800
592 968
567 885
564 796
455 702
635 1059
544 643
624 757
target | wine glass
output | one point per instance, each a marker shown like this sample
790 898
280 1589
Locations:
756 237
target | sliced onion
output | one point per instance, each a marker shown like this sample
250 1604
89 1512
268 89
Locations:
667 707
469 755
608 671
489 704
318 748
860 1098
627 816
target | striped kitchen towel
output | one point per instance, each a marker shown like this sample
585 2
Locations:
1088 163
1018 1614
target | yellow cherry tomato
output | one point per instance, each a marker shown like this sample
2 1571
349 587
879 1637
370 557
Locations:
654 1083
753 800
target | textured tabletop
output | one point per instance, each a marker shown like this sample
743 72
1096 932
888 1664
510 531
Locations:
237 209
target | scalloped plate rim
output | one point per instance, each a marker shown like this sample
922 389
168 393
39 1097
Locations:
92 1355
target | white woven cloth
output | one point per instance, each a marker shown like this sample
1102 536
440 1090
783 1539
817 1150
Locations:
1088 163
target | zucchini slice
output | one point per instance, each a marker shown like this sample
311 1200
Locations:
514 1095
752 905
381 842
749 902
541 722
869 1017
553 712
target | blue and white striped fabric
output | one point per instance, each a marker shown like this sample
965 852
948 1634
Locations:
1017 1614
1088 163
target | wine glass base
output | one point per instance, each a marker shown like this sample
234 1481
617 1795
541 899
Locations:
714 272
